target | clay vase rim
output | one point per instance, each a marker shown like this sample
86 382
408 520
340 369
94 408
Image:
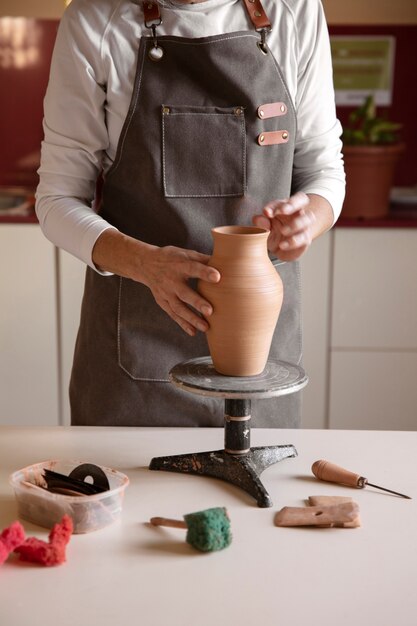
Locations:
240 231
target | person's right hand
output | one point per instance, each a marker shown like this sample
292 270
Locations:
166 271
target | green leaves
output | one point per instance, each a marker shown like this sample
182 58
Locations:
365 127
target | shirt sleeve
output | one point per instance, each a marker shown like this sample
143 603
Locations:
75 136
318 161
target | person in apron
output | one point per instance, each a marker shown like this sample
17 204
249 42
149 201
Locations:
208 140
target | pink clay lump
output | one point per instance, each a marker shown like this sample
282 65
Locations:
51 553
11 538
34 550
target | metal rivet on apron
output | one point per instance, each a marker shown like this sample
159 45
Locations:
261 113
282 108
258 14
261 138
238 111
252 1
156 53
285 135
165 110
150 6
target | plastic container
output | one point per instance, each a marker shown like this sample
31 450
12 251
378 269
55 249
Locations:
45 508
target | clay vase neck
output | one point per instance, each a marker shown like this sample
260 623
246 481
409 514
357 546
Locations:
246 301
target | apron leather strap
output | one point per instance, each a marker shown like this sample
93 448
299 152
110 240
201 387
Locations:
151 12
257 14
254 8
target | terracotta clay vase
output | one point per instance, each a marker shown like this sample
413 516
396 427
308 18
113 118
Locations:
246 301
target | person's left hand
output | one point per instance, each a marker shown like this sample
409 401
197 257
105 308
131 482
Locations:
290 221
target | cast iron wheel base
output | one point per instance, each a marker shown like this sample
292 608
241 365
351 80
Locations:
241 470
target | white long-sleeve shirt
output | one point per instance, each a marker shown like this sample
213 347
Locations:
90 88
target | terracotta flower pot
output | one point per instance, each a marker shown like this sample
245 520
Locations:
369 177
246 301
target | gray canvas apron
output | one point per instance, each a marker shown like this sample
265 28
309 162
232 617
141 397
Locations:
189 158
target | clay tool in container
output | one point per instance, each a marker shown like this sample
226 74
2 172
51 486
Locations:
207 530
324 470
75 482
69 493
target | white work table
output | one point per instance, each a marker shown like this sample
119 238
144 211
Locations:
136 575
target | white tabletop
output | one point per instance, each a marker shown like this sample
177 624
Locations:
133 574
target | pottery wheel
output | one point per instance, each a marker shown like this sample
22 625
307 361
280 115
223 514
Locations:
199 376
238 463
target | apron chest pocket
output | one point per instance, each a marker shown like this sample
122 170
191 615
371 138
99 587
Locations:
203 151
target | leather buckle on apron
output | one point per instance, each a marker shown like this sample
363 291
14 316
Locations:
152 20
262 44
260 20
271 109
273 138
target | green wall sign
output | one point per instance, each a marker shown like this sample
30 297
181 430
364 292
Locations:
362 65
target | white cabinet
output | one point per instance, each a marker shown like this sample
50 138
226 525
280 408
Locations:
375 289
373 390
28 327
373 367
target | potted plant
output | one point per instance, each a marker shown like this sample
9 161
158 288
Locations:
371 149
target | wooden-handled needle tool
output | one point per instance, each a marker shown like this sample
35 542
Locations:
334 474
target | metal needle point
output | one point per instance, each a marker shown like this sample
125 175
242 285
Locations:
389 490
